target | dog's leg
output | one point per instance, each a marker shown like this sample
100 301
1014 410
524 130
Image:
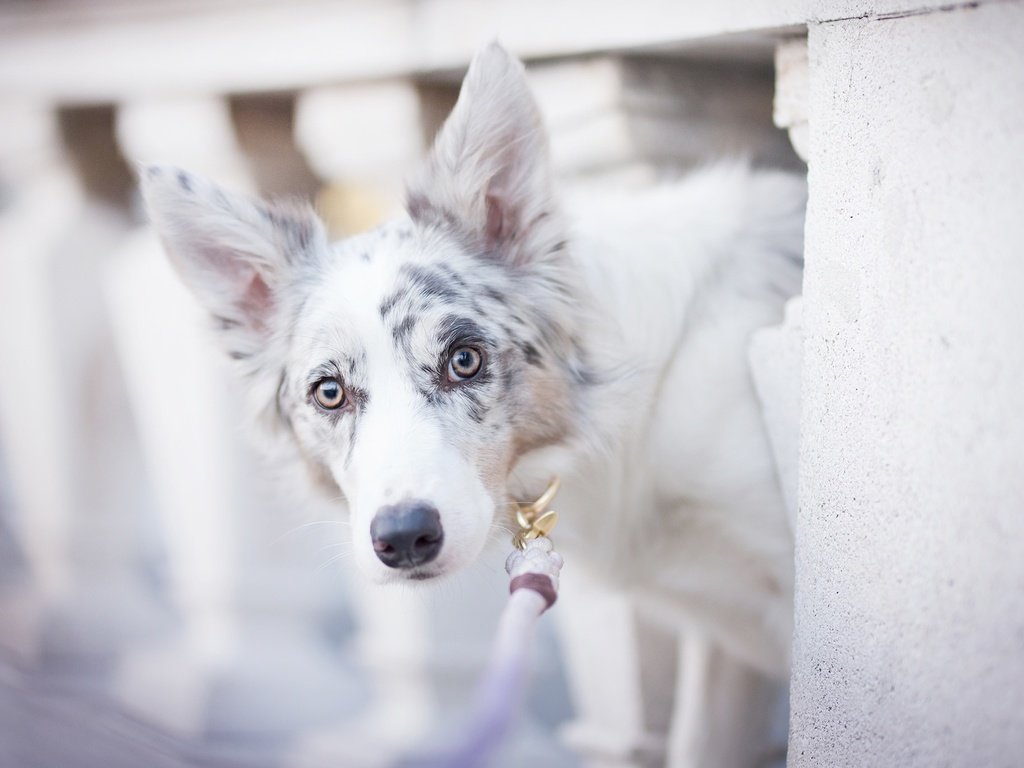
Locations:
611 657
724 710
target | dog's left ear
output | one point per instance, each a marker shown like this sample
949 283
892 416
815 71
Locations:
488 174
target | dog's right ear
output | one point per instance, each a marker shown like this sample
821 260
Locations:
235 254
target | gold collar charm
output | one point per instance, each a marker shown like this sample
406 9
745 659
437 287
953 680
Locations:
533 517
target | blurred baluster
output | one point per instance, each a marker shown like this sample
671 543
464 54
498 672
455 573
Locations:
40 195
238 669
361 140
69 437
289 677
176 385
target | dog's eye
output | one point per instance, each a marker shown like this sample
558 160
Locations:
464 363
329 394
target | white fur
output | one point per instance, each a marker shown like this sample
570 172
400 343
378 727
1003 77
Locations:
684 503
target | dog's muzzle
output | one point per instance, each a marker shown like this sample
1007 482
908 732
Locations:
407 534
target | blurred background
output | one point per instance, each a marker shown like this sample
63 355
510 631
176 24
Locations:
166 599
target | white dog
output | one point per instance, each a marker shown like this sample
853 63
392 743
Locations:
437 367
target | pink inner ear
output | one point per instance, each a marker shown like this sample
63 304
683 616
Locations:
256 301
496 226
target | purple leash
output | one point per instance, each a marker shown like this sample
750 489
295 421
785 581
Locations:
533 568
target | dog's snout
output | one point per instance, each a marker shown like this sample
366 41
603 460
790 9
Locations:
407 534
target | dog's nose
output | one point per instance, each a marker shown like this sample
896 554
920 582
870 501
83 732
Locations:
406 534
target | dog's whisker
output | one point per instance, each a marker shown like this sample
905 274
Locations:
343 555
334 545
299 528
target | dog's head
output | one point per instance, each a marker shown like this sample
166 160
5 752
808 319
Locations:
412 365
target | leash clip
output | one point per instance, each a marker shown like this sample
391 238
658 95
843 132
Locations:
534 518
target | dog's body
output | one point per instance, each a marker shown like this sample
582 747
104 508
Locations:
437 367
682 503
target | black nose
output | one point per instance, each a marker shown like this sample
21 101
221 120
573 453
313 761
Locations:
407 534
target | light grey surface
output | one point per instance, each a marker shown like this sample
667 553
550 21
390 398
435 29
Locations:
909 643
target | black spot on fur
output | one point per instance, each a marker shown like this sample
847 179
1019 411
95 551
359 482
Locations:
185 181
365 256
429 282
431 394
455 330
351 441
356 364
531 353
477 410
507 378
402 330
390 301
423 210
494 294
454 277
225 323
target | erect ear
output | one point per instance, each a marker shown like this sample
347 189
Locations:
487 174
233 253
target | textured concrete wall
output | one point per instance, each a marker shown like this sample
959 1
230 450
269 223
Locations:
909 645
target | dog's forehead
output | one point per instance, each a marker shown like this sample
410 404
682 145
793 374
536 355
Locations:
360 292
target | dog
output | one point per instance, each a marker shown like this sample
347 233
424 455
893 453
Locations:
498 334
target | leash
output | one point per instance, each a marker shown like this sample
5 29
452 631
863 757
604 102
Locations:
533 568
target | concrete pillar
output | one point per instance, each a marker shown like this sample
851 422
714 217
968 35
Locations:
910 579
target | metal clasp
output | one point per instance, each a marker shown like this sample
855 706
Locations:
534 518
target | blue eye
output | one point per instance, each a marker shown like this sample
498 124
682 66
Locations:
465 363
329 394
